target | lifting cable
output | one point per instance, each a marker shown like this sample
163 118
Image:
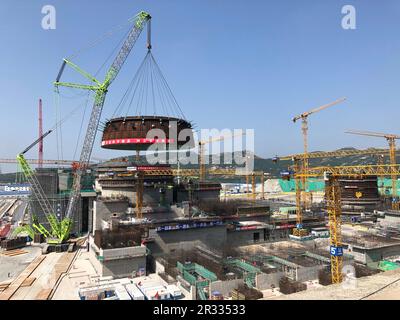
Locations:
81 127
148 92
102 38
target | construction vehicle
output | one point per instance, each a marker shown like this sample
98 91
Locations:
304 128
59 230
100 89
391 138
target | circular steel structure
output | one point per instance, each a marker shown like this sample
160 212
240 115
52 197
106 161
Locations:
140 132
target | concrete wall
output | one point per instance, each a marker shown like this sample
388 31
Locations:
151 196
123 267
265 218
160 268
103 211
169 241
367 256
308 273
246 237
225 287
265 281
117 268
199 195
122 253
214 238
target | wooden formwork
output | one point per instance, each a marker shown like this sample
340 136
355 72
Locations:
16 284
12 253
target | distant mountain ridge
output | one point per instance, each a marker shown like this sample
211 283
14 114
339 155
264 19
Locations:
268 165
260 164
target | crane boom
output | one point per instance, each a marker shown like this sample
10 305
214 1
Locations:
338 154
306 114
374 134
37 161
101 91
58 230
36 142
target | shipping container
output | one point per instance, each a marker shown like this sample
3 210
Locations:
134 292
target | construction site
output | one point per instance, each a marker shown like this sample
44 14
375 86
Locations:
130 228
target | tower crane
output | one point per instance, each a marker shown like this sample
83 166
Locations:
333 202
304 127
338 153
202 160
100 89
391 138
296 158
141 174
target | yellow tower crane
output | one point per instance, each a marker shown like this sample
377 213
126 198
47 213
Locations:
304 128
333 202
142 174
391 138
299 231
202 160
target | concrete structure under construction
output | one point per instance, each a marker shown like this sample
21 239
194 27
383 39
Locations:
359 194
371 249
57 184
120 180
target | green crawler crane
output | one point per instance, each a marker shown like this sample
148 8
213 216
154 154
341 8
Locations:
59 230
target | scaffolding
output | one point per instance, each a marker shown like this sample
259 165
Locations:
248 271
197 276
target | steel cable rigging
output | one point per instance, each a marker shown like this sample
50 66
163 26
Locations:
148 93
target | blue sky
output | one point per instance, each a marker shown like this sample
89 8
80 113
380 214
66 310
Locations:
231 64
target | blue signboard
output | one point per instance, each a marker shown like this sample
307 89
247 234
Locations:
15 189
336 251
184 226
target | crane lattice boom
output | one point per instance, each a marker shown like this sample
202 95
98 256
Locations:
101 90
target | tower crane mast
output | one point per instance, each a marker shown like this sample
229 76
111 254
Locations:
100 89
202 159
304 128
333 202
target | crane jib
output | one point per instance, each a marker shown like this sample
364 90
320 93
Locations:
61 71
